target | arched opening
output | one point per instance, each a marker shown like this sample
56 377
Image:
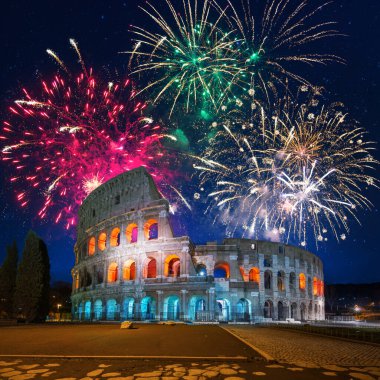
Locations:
102 241
115 237
293 311
268 309
148 308
201 270
128 309
222 270
281 311
315 286
129 271
254 275
223 309
80 311
87 310
111 310
112 272
99 275
151 229
171 308
303 312
150 268
76 281
98 310
268 280
243 313
310 311
321 288
172 266
302 281
316 311
132 233
197 309
91 246
281 281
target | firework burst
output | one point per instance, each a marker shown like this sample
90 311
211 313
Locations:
296 172
76 134
207 54
273 37
190 58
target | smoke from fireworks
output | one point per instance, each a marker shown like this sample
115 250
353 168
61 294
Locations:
207 54
296 172
76 134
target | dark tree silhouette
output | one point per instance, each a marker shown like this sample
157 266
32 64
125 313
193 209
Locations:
31 301
8 273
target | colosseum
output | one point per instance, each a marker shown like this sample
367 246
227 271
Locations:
129 266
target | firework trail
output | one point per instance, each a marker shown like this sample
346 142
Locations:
296 173
77 133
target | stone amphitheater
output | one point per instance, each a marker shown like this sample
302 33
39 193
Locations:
129 266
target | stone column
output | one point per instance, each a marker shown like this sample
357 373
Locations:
159 311
105 277
211 302
184 309
140 228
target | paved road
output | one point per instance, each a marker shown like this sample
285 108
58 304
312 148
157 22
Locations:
149 340
108 340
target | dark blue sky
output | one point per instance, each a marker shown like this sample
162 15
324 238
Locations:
101 28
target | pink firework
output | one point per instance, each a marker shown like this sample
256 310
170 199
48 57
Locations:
76 134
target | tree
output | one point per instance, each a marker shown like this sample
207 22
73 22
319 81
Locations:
8 273
31 300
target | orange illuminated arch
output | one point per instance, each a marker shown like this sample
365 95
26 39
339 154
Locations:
315 286
131 233
254 275
322 290
91 246
150 268
302 281
102 241
172 266
151 229
112 272
115 237
129 270
76 281
222 270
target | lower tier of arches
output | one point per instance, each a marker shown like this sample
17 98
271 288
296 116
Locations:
201 308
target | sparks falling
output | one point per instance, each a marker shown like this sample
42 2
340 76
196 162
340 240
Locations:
77 133
295 173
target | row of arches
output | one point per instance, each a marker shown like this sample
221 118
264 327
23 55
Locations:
196 310
131 233
172 268
294 311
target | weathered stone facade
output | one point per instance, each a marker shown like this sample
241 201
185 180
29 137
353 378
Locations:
128 265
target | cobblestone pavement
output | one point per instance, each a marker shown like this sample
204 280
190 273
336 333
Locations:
81 369
313 351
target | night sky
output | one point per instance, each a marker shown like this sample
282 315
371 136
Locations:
102 30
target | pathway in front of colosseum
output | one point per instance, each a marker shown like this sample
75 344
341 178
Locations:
313 351
292 355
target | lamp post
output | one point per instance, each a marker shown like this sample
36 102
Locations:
58 307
